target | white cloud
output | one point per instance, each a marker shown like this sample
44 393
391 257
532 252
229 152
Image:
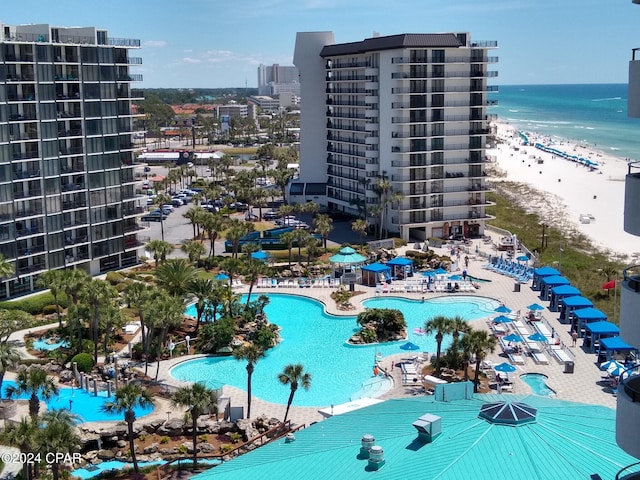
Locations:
155 43
191 60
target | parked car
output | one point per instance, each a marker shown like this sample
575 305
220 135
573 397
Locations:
271 215
155 216
250 217
239 206
176 202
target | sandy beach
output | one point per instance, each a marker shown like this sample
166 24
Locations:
566 189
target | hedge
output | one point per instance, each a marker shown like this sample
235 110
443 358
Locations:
84 361
34 304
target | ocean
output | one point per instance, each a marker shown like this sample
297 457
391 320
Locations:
589 114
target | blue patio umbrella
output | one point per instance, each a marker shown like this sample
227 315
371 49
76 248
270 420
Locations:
522 258
429 273
505 368
537 337
455 277
502 319
512 337
221 276
503 309
409 346
260 255
616 371
535 306
610 364
439 271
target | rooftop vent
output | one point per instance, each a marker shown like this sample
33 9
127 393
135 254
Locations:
366 443
376 458
429 427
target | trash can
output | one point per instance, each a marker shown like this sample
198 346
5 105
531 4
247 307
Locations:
568 367
516 287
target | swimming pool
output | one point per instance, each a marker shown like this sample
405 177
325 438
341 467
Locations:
340 372
85 405
538 384
41 344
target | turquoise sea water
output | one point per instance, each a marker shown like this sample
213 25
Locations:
340 372
591 114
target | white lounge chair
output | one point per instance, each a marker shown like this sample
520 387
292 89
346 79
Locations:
540 358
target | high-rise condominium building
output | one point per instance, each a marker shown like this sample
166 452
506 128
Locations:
628 404
395 127
275 79
67 186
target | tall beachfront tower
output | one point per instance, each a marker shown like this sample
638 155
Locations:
628 404
67 186
394 128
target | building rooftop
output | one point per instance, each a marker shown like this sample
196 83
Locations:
566 440
404 40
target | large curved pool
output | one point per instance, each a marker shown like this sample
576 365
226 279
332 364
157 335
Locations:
340 372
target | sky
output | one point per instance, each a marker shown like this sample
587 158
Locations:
220 43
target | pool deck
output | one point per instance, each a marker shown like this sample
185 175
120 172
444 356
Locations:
580 386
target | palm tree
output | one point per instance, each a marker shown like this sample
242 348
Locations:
124 401
194 250
202 289
57 435
37 384
294 376
441 325
159 201
198 399
9 358
6 267
323 224
251 353
73 282
237 229
54 281
481 342
193 215
360 227
212 223
166 313
288 239
159 249
97 295
23 435
174 276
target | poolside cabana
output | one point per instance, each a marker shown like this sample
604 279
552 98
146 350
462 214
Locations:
547 283
569 304
401 267
560 292
582 316
347 260
615 347
375 273
598 331
540 273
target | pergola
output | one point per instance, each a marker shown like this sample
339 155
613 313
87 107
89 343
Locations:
375 273
401 267
346 260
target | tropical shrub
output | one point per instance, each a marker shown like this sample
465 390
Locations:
51 309
114 278
34 304
84 361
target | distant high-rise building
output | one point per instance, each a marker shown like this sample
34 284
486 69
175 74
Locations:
67 183
274 79
394 129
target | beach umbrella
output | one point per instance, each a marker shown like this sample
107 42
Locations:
439 271
409 346
522 258
610 364
455 277
537 337
505 368
617 370
429 273
502 319
503 309
221 276
512 337
535 306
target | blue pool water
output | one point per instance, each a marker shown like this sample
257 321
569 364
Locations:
44 345
85 405
340 372
538 384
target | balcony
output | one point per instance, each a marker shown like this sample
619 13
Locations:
633 95
632 199
630 305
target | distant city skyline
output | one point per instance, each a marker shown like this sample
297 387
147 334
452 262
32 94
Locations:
207 44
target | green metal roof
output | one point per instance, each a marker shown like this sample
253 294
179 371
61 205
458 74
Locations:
568 440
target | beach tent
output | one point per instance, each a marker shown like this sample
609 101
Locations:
560 292
401 267
582 316
598 331
375 273
547 283
569 304
612 346
540 273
